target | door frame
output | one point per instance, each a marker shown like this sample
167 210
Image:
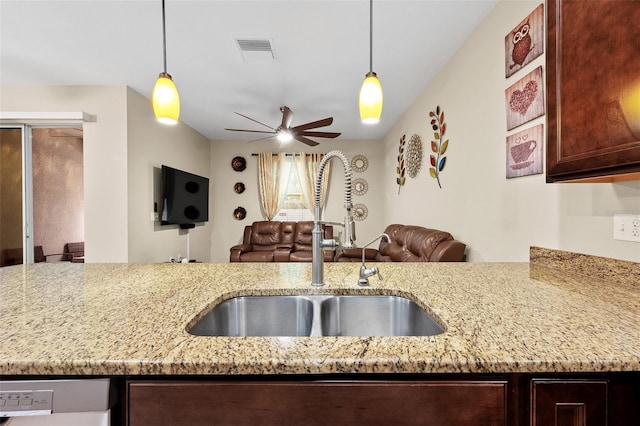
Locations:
27 177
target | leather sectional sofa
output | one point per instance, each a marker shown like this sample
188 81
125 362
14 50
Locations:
273 241
410 243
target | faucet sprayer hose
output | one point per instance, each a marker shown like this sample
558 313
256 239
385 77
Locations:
347 176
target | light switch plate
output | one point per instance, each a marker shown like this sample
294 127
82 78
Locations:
626 227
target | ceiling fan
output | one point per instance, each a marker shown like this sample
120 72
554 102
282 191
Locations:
284 132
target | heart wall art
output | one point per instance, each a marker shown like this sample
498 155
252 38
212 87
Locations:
525 42
524 152
525 99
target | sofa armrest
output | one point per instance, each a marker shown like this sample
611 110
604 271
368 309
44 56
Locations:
448 251
328 255
237 250
282 252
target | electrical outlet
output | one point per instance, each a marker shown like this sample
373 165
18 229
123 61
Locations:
154 217
626 227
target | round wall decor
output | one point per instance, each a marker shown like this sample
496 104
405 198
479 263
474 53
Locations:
359 163
360 212
238 164
238 188
360 186
239 213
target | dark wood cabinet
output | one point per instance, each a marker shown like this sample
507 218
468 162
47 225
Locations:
374 402
569 402
513 399
593 90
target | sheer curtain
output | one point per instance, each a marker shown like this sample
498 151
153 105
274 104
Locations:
286 173
306 166
269 182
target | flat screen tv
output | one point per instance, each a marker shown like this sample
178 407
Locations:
185 198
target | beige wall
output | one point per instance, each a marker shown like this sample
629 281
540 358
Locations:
226 231
121 148
105 157
497 218
150 146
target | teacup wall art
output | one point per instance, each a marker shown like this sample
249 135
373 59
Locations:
524 152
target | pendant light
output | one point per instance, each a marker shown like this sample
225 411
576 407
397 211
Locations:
371 92
165 98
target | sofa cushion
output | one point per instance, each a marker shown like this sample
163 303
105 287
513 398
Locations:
265 236
303 237
257 256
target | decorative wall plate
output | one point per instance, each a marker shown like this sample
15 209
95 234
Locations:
239 188
239 213
359 163
360 212
360 186
239 164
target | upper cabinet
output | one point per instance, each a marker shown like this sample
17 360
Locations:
593 85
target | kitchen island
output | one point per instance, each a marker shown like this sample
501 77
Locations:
502 321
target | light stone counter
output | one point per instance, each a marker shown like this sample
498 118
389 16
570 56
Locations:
113 319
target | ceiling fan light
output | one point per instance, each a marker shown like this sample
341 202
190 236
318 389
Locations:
165 100
285 136
370 99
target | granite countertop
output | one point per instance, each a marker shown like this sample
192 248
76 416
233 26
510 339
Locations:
114 319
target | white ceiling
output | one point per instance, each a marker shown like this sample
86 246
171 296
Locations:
322 54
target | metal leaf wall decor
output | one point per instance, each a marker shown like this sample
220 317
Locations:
413 156
438 144
401 170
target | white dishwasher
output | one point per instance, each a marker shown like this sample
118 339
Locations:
72 402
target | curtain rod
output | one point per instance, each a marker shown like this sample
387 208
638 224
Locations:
287 154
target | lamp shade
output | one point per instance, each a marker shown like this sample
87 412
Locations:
165 100
370 99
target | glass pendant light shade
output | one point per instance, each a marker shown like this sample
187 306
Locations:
370 99
165 100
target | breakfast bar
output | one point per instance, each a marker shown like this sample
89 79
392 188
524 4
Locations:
501 321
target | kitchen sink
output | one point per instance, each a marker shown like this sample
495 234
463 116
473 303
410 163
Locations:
375 316
310 315
258 316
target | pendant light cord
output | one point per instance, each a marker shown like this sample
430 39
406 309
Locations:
370 35
164 40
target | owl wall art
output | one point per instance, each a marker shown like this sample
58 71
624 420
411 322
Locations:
525 42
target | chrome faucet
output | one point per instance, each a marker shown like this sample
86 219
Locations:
365 272
349 225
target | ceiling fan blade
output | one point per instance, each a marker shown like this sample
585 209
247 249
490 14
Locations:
320 123
252 131
302 139
321 134
256 121
261 139
287 116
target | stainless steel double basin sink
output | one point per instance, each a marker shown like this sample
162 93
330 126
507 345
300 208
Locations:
311 315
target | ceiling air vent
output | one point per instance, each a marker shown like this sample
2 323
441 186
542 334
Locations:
256 48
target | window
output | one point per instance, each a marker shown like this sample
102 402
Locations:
293 207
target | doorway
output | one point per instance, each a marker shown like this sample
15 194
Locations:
41 193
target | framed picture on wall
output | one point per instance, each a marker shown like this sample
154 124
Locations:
524 152
525 42
525 99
